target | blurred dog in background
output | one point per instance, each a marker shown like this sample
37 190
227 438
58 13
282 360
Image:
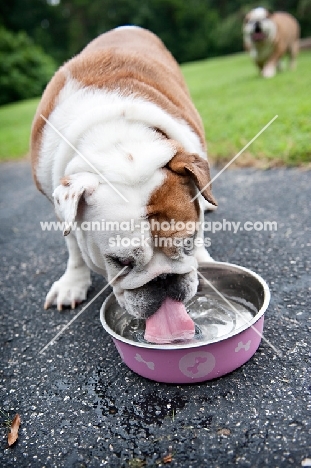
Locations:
268 37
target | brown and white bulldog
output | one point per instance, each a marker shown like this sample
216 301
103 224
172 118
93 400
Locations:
124 146
268 37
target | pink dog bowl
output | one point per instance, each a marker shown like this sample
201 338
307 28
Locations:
227 334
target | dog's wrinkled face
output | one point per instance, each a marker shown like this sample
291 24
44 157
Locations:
258 26
149 241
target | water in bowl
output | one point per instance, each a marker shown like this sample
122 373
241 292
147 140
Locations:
214 319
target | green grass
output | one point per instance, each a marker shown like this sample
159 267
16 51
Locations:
234 103
15 123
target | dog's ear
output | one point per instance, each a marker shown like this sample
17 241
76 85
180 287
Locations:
68 195
246 18
197 168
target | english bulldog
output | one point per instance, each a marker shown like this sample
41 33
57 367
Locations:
117 140
268 37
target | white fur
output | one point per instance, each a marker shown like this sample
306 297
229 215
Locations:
261 52
98 107
258 14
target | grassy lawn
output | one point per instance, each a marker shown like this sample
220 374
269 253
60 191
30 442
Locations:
234 103
15 123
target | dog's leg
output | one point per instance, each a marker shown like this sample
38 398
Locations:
202 256
72 287
269 70
293 52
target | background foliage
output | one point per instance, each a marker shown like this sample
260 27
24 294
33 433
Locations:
191 29
24 67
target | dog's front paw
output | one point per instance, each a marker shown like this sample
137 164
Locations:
70 289
269 71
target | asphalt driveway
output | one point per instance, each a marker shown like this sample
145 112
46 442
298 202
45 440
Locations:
80 406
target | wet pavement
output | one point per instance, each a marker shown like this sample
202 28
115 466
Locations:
80 406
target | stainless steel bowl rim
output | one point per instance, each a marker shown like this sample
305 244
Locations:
175 346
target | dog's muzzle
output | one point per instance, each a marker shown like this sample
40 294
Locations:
258 34
144 301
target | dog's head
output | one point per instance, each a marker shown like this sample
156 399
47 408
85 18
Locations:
258 26
146 242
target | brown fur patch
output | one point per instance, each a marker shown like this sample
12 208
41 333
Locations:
287 36
135 61
184 174
172 201
45 108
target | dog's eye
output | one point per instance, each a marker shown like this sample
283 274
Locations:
188 244
122 262
126 262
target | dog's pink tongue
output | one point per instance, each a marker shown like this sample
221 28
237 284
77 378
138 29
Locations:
171 322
